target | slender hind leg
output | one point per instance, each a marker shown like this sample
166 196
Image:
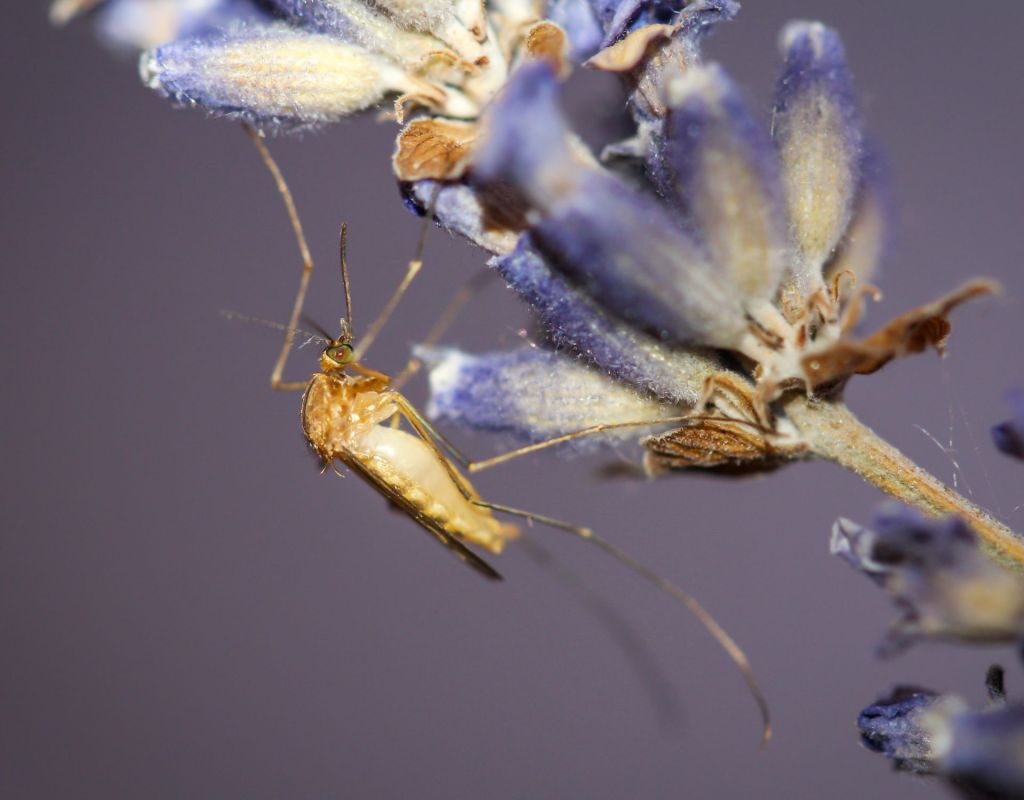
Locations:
307 264
487 463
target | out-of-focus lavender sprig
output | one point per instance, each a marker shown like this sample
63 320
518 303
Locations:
938 577
978 753
1009 435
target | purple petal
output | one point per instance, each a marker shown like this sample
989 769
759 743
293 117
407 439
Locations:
1009 436
868 237
855 544
576 18
618 244
907 537
816 126
718 166
573 322
532 395
938 577
458 209
619 17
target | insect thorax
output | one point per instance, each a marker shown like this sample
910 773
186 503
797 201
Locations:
338 411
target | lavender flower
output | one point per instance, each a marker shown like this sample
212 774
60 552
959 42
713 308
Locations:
980 754
816 126
531 394
937 576
1009 436
332 58
261 74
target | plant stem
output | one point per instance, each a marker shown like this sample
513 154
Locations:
833 432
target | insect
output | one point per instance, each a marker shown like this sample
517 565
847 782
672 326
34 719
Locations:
351 413
344 408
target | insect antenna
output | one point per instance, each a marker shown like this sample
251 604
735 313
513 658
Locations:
342 248
308 320
320 337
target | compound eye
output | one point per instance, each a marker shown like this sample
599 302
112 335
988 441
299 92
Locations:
340 353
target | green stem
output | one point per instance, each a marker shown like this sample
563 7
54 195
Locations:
833 432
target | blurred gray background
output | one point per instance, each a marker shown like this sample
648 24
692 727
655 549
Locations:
188 609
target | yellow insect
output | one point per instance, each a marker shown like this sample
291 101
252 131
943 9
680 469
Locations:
351 413
343 418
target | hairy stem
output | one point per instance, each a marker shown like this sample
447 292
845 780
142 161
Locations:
833 432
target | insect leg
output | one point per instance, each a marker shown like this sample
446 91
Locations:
487 463
448 315
717 632
427 434
727 643
307 263
410 273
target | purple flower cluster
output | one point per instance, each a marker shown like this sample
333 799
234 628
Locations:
707 263
738 243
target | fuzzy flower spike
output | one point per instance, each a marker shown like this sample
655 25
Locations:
743 258
313 62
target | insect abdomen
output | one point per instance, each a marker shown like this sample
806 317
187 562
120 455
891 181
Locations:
407 464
